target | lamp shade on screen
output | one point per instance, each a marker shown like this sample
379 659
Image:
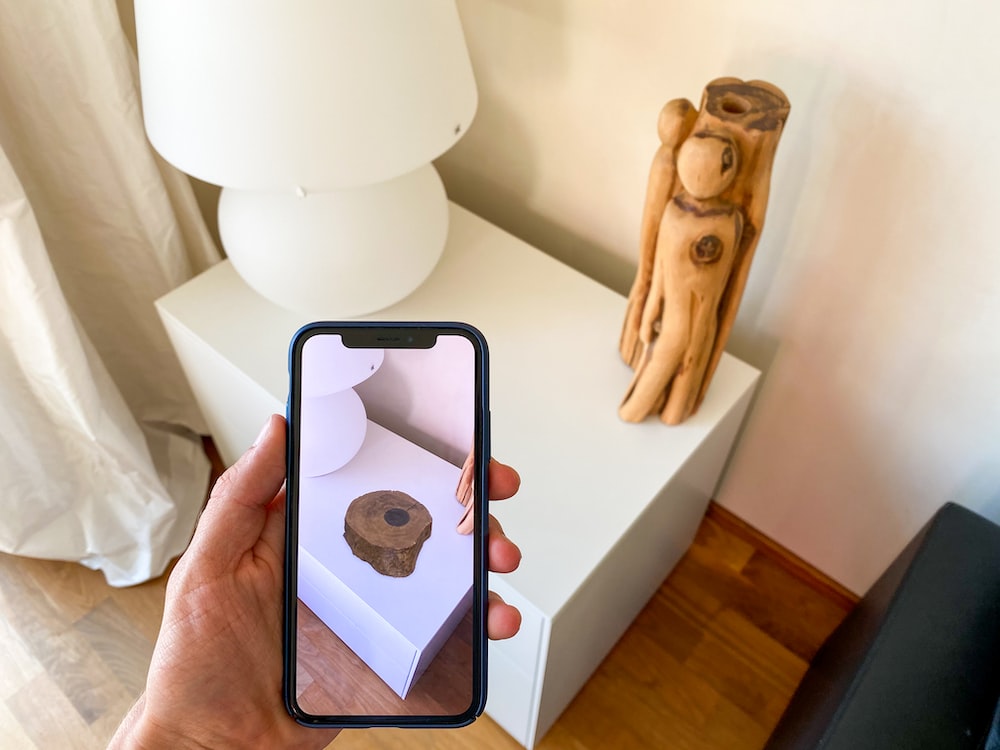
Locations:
311 100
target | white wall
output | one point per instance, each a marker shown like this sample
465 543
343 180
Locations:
874 298
428 396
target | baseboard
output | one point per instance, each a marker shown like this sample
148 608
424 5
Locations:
795 565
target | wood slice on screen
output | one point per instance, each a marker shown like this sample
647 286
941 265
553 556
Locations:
387 529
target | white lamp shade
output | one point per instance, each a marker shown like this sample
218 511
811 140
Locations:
339 253
333 429
329 367
317 94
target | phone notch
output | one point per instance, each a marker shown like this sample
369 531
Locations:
390 338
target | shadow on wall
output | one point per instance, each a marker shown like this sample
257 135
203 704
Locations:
826 314
803 83
873 288
500 185
426 396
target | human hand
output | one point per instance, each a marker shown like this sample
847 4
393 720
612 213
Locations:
216 672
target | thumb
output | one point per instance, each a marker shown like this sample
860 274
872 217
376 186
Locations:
237 508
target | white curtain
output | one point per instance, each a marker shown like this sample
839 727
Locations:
100 459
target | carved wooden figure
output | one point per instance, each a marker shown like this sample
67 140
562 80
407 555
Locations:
704 211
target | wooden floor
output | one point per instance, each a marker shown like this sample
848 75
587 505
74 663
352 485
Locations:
710 663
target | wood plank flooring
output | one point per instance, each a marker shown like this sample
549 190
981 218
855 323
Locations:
710 663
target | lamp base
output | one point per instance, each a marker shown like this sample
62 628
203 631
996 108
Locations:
339 253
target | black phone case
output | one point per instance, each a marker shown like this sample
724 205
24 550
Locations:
389 335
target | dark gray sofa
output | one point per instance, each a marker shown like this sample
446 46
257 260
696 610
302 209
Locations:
917 663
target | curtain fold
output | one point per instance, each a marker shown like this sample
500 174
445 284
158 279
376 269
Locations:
100 459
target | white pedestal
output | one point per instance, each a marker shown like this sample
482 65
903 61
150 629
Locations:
606 508
395 625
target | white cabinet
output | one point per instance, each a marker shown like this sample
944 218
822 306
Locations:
606 508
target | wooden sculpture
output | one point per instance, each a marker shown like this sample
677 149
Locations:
387 529
704 211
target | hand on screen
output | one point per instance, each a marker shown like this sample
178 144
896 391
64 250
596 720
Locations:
464 492
215 676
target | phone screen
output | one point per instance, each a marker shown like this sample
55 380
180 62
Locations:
385 562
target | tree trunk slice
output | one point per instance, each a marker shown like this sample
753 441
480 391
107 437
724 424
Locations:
387 529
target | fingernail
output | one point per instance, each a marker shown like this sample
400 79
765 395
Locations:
462 493
263 433
466 474
467 522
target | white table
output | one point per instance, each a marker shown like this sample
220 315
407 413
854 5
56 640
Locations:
606 508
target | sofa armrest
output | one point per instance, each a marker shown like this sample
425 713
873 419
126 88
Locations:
917 663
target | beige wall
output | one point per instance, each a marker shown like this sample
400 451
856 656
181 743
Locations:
874 301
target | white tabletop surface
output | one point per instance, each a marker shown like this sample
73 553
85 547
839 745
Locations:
414 605
556 382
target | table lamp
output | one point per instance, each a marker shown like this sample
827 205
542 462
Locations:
320 119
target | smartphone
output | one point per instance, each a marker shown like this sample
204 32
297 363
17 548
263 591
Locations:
385 563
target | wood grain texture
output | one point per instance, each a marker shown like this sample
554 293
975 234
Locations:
710 662
333 680
73 659
703 216
387 529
